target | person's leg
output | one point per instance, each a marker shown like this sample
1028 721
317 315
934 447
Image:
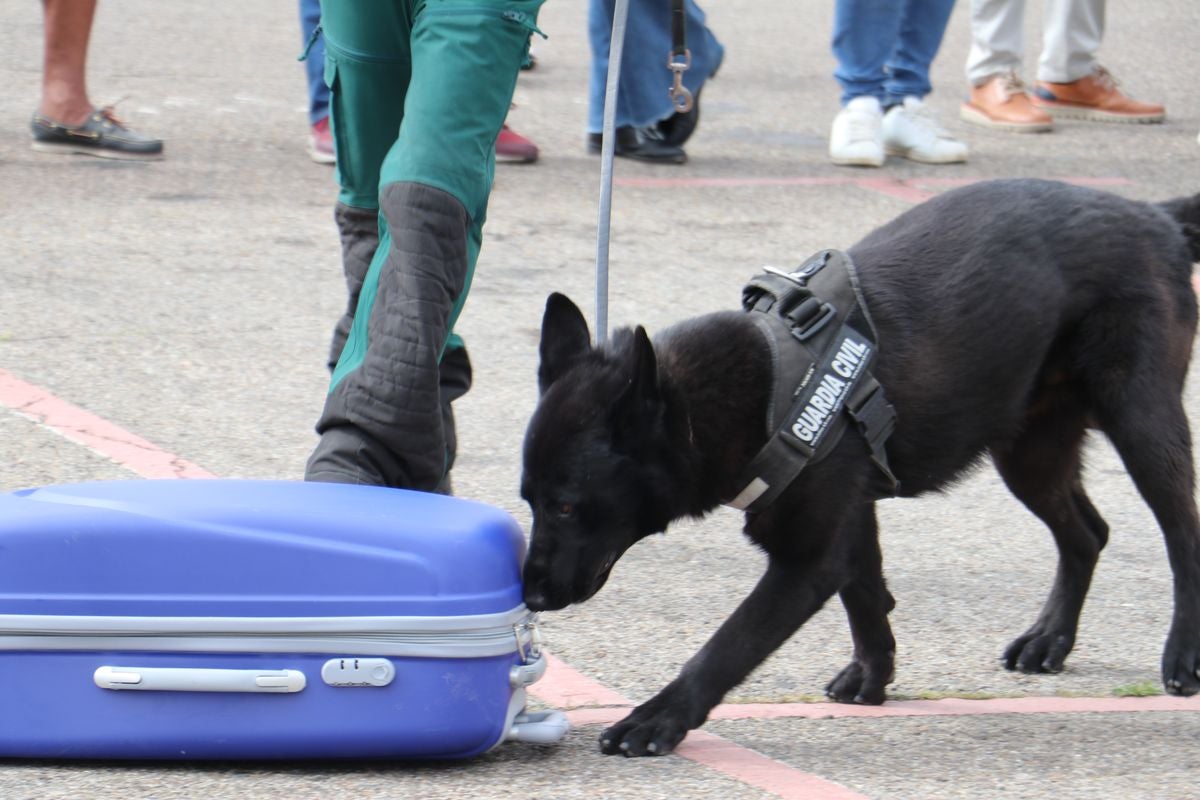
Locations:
865 33
997 96
635 108
642 95
997 39
366 107
314 62
1071 83
1071 35
66 121
909 127
68 27
320 138
922 25
707 55
385 419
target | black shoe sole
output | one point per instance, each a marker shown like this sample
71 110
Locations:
638 148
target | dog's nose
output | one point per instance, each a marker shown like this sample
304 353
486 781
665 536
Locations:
535 597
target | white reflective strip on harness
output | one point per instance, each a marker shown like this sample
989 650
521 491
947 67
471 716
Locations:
748 495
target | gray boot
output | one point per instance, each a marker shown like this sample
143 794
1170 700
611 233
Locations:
386 418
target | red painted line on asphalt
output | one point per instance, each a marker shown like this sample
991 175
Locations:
671 183
1078 180
762 772
96 434
896 188
954 707
908 190
949 707
565 687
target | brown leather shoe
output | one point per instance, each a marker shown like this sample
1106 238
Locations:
1095 97
1001 102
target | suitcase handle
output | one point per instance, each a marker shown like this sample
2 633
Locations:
186 679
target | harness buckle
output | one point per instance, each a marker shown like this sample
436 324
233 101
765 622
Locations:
809 317
876 419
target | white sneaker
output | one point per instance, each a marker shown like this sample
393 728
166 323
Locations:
909 130
857 135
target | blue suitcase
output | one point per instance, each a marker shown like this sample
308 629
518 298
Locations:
261 619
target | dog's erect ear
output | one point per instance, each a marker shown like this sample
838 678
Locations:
565 339
645 367
639 410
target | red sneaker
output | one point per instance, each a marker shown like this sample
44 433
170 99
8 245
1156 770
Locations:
513 147
320 143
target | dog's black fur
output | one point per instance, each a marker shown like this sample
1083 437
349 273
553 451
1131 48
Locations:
1011 315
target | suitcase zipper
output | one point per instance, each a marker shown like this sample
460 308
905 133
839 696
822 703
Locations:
479 636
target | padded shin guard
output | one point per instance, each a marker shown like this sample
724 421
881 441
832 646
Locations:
454 381
359 232
383 419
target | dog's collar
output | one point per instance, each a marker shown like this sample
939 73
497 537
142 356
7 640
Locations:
822 344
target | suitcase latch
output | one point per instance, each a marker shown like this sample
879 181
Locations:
345 672
529 639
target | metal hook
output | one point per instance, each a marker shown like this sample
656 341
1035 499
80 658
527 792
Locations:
681 98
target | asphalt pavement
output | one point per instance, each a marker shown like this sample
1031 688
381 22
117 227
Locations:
187 306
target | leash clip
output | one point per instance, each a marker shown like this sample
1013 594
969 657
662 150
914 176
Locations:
681 98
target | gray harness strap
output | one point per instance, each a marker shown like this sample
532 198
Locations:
813 320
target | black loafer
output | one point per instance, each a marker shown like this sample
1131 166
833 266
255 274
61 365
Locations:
640 146
101 134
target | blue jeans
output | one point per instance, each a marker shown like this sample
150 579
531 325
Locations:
642 94
314 65
884 47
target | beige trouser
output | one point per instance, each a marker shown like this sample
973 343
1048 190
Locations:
1071 34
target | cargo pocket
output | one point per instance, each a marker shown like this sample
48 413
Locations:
366 105
343 153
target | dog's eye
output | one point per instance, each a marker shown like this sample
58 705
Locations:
565 509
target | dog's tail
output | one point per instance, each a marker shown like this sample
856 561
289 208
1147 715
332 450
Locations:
1186 210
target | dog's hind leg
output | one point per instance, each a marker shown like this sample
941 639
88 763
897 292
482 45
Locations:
1042 469
867 602
1151 434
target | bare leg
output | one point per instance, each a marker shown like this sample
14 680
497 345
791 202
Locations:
64 72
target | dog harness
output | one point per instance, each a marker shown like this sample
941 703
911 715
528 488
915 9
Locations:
822 344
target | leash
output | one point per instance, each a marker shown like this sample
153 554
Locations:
608 148
680 58
678 61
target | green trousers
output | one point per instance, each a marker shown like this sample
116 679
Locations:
419 92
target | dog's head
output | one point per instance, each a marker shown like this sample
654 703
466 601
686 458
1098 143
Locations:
596 459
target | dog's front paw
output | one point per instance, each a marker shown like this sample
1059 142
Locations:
1181 663
858 684
644 733
1038 650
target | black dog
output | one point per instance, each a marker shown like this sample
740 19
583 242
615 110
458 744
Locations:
1011 316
